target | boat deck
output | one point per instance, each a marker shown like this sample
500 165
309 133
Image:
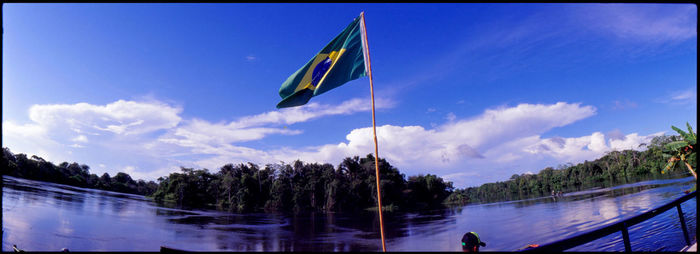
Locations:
691 248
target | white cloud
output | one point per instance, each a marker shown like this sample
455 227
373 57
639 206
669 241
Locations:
120 117
593 146
202 132
80 138
310 111
413 148
117 132
10 128
685 97
621 105
451 117
615 134
632 141
460 179
681 97
446 149
130 132
656 23
492 145
128 169
498 125
499 142
30 137
216 138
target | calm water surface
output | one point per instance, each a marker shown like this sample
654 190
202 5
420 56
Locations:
39 216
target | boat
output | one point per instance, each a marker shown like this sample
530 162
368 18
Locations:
14 247
168 249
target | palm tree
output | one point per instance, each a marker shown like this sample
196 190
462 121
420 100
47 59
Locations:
682 150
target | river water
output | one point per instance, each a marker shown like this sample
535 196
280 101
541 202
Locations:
40 216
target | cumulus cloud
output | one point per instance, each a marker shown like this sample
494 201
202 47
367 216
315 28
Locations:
120 117
442 148
30 137
495 143
149 135
615 134
10 128
461 179
215 138
595 145
632 141
150 139
496 125
115 132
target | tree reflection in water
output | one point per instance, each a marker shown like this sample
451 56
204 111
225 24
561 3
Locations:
44 216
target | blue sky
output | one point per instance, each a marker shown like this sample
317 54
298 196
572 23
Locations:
471 92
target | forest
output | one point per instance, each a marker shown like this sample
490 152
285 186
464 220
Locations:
614 168
300 186
74 174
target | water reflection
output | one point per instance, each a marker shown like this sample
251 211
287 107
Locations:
44 216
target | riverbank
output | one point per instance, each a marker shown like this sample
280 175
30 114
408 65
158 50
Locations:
45 216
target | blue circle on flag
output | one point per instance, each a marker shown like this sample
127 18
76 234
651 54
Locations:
320 70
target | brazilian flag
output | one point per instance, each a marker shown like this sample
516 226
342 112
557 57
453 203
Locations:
338 62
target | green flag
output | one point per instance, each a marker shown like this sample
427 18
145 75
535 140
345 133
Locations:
338 62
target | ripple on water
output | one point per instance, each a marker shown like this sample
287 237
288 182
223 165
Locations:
34 212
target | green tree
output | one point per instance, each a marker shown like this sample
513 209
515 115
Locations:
682 150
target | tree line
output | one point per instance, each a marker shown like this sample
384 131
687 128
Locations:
74 174
614 168
300 186
247 187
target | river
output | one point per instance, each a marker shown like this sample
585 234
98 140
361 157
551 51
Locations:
40 216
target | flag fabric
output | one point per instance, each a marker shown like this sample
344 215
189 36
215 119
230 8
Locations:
340 61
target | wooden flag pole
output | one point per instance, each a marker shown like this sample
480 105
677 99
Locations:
374 128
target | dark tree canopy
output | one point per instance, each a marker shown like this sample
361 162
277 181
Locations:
36 168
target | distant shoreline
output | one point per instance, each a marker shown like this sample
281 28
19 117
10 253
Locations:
350 186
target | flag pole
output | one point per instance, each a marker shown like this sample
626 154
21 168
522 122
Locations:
374 128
